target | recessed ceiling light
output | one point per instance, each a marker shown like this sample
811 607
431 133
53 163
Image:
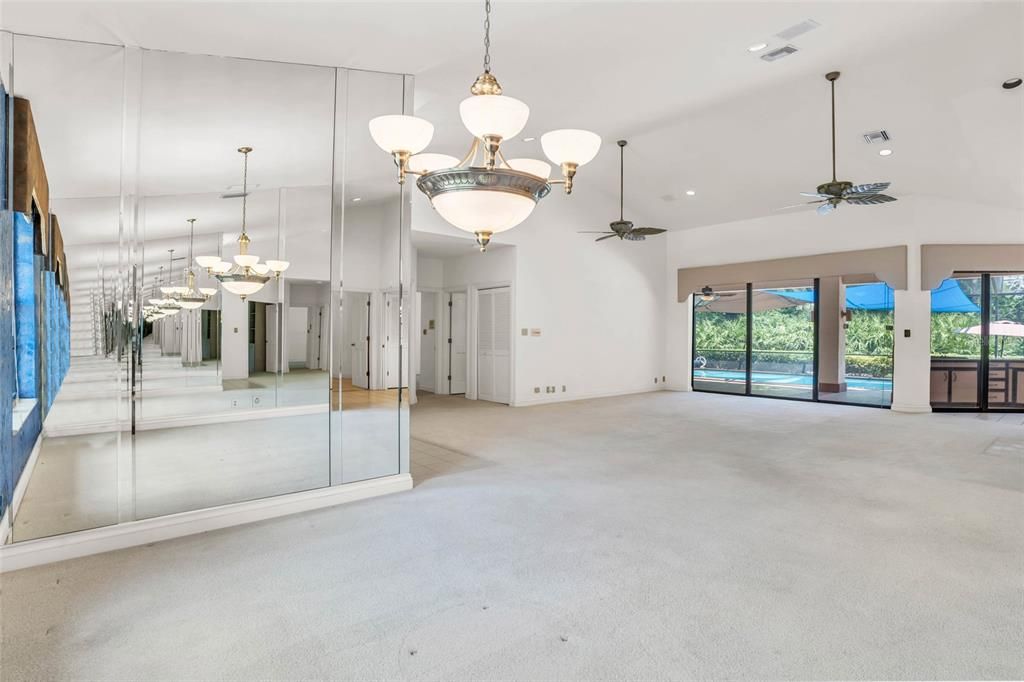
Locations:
1011 83
357 199
884 152
757 47
690 192
529 139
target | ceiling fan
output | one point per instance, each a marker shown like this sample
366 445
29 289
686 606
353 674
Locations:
829 195
707 296
621 228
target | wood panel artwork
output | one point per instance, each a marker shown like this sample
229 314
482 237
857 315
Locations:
28 171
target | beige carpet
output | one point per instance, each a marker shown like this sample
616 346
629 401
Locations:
658 536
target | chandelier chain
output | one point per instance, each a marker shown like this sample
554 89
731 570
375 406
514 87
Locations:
487 36
245 185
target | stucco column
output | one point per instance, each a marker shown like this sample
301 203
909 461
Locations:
831 335
912 354
234 340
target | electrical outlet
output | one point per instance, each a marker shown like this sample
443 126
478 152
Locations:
256 401
536 389
525 331
234 403
663 380
563 388
655 379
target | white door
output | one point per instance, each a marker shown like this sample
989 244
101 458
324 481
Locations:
361 341
457 343
393 344
494 341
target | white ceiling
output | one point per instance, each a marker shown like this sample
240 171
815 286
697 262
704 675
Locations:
674 78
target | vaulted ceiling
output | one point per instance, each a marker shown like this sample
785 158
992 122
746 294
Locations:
701 112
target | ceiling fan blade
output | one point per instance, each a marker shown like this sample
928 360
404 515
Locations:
825 209
647 231
815 194
868 188
869 199
607 236
806 204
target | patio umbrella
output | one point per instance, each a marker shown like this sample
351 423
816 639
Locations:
998 328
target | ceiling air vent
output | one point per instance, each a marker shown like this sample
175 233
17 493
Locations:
797 30
779 53
876 137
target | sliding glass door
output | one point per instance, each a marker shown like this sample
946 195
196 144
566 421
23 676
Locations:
783 340
720 342
977 343
818 340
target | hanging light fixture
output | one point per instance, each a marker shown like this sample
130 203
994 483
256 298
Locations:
499 194
169 306
247 274
188 296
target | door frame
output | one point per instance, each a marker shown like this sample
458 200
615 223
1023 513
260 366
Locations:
472 348
747 392
984 360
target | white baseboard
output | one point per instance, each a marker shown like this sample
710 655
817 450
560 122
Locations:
545 398
911 408
184 420
133 533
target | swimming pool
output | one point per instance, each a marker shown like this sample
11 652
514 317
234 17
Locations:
796 380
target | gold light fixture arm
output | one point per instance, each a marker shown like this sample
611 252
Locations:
471 154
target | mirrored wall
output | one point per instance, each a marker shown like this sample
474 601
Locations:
230 254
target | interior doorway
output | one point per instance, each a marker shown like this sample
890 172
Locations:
257 337
426 374
494 345
456 332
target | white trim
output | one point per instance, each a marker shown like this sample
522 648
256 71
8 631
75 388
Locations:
569 397
185 420
911 408
133 533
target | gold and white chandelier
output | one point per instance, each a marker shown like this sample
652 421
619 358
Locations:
500 194
247 274
188 296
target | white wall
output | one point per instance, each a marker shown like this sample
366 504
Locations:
913 220
599 306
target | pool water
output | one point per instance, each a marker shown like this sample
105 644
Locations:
854 383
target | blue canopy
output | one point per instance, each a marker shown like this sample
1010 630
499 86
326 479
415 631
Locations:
947 298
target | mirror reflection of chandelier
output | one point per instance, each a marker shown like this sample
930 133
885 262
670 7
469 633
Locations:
188 296
500 194
247 274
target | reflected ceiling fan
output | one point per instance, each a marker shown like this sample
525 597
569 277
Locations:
707 296
829 195
622 228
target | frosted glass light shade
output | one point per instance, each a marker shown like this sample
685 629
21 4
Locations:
207 261
531 166
483 210
425 163
222 267
494 115
261 268
247 260
570 146
156 301
278 266
207 291
190 304
397 133
243 287
167 289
